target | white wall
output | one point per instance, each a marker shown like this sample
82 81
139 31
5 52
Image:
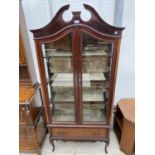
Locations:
38 13
104 8
26 42
33 68
125 85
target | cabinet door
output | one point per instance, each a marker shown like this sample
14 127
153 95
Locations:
96 65
58 62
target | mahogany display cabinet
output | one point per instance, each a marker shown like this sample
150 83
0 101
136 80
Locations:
78 61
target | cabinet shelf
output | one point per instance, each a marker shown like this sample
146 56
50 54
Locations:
66 79
91 64
91 94
50 53
95 53
56 54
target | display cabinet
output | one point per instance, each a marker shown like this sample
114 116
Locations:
78 61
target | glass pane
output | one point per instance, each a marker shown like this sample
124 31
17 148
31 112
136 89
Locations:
59 70
96 58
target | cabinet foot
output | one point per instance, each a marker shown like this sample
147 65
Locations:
106 146
53 145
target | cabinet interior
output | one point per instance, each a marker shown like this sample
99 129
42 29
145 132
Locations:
96 66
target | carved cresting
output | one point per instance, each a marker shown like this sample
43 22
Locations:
57 25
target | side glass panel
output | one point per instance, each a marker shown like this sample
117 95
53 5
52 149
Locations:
59 71
96 62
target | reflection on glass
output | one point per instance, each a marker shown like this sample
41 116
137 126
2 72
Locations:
96 58
58 56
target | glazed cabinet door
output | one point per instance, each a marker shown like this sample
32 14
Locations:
96 55
58 62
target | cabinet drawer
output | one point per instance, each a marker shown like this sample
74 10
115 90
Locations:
79 133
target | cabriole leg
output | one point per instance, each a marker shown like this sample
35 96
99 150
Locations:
106 146
53 145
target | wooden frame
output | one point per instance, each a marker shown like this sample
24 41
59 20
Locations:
55 30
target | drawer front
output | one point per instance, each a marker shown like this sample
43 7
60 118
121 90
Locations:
79 133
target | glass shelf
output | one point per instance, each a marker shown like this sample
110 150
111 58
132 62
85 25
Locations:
56 54
65 79
90 94
95 53
96 64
